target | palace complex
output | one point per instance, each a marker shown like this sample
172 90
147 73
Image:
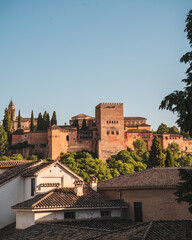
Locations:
105 134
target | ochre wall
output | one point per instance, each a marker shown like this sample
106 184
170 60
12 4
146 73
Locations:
157 204
110 125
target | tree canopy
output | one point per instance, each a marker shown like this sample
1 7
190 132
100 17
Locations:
19 120
54 119
140 146
184 188
162 129
180 102
32 122
156 156
3 141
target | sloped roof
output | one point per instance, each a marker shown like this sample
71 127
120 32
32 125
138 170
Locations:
66 198
12 163
30 169
138 131
82 116
134 118
16 171
150 178
102 229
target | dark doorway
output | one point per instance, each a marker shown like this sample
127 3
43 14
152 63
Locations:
138 211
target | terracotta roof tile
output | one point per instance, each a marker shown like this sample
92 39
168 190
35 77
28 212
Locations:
11 163
102 229
150 178
138 131
66 198
135 118
16 171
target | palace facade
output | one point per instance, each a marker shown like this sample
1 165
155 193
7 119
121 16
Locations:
105 134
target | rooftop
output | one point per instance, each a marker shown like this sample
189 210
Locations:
66 198
12 163
102 229
150 178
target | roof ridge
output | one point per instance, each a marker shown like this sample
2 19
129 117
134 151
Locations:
47 195
147 231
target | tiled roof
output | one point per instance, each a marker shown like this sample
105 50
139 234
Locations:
138 131
102 229
154 230
66 198
11 163
82 116
16 171
134 118
33 171
150 178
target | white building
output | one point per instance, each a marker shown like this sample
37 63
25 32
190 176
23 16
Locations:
26 180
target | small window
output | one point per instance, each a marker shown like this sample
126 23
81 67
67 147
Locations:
105 214
185 148
112 121
166 138
32 186
107 132
112 132
70 215
107 121
67 137
117 121
117 133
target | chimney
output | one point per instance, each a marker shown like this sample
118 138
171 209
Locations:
78 187
93 182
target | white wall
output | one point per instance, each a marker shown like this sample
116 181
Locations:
24 219
2 170
49 216
10 194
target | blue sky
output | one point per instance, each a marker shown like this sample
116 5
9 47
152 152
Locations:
68 55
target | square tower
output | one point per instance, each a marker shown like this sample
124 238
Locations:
110 126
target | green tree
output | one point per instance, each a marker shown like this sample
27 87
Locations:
54 119
7 122
140 146
48 121
84 125
32 122
174 147
174 130
3 141
19 120
169 161
156 157
162 129
76 123
85 164
184 188
39 122
180 102
45 119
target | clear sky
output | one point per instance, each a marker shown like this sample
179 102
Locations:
70 55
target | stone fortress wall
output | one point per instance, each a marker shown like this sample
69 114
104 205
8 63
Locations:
106 134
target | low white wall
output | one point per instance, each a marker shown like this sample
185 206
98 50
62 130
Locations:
88 214
48 216
10 194
24 219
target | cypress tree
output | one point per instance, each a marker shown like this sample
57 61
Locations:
169 161
156 157
39 122
54 119
76 123
3 141
7 122
32 121
45 121
84 125
48 121
19 120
